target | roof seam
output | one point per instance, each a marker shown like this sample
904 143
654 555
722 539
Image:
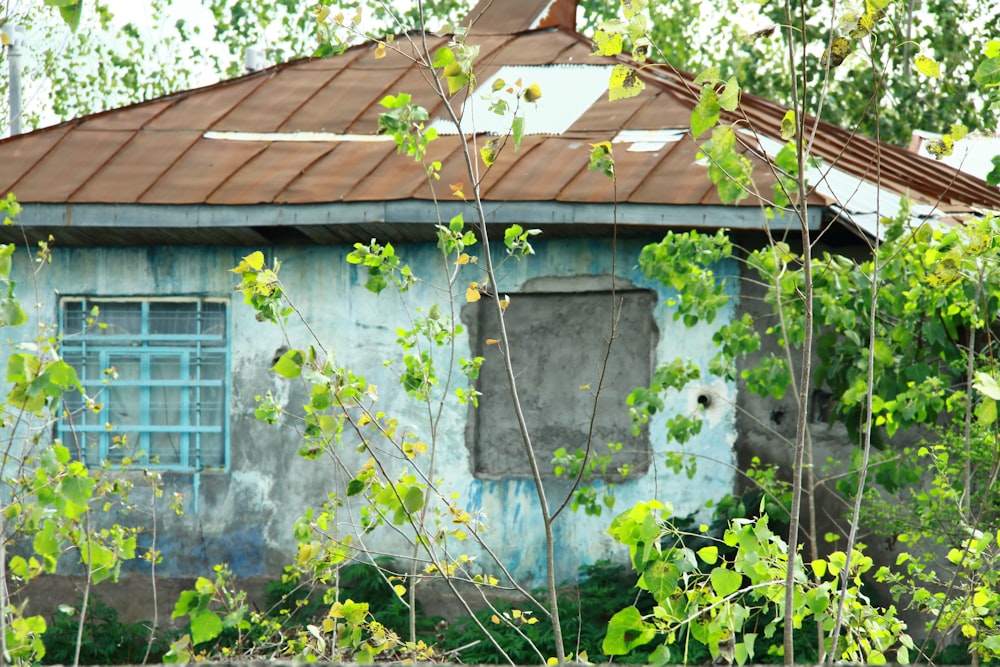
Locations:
190 147
41 158
302 172
97 172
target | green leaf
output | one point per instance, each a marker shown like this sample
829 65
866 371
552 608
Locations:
607 43
710 75
76 491
70 10
993 178
709 554
46 545
413 499
290 364
788 125
988 72
442 58
517 131
660 578
706 113
205 626
730 98
354 487
725 582
927 66
987 384
624 83
626 631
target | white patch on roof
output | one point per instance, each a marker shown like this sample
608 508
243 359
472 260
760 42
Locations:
294 136
542 14
648 141
567 92
862 202
972 154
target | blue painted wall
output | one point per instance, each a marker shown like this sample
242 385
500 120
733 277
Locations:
244 516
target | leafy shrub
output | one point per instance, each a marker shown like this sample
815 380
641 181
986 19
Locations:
105 641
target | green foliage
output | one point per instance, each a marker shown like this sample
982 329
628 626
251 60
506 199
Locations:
586 606
106 639
726 603
384 266
406 123
52 502
261 288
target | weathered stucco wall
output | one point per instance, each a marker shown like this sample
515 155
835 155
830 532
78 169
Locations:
244 516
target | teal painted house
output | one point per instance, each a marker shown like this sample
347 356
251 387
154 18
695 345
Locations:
151 205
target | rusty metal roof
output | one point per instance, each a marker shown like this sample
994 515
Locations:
295 147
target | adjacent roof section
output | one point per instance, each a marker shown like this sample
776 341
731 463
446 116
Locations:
972 154
304 134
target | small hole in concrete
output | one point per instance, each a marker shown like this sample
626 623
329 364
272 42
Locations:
777 416
704 400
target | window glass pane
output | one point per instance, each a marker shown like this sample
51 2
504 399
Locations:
91 449
173 318
212 450
124 443
165 406
213 319
73 318
209 407
88 366
168 448
166 368
124 406
211 366
119 318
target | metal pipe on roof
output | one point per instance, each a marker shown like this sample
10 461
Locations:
13 36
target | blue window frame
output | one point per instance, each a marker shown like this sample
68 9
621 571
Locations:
157 372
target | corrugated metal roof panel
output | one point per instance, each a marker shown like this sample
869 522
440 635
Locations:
135 168
550 166
71 163
22 156
567 92
200 109
195 175
275 99
171 161
269 172
131 118
334 175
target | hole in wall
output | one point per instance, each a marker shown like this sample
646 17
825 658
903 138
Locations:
705 401
777 416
